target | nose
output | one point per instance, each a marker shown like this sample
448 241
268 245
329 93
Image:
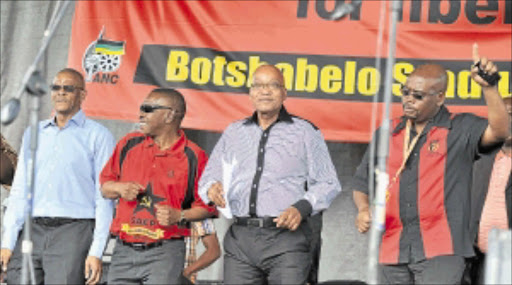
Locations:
266 89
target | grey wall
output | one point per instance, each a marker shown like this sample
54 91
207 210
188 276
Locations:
22 25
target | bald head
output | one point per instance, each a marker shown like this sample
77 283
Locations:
434 73
270 69
174 98
80 81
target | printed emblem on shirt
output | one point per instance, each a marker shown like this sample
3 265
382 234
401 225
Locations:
157 234
147 200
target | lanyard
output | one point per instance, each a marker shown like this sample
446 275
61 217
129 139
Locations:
407 148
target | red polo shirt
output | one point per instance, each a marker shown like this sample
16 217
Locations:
164 174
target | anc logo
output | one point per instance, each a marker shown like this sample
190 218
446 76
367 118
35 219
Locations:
102 58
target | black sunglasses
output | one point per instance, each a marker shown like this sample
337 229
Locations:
418 95
67 88
151 108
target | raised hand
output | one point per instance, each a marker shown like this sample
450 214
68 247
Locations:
483 71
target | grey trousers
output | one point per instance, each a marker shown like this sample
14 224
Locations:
266 255
58 255
158 265
438 270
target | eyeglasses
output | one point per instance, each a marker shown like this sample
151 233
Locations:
271 86
67 88
151 108
418 95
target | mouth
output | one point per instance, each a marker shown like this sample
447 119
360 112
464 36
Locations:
408 108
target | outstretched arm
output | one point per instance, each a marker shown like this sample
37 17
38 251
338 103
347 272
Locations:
499 124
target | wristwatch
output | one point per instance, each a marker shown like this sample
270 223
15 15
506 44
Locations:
182 218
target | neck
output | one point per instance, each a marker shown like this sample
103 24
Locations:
507 147
62 119
167 139
419 126
267 119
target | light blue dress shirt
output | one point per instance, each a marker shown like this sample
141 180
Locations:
66 184
297 166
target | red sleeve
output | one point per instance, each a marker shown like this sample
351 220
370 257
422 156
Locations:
111 169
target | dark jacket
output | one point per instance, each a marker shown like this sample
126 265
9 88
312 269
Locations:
482 170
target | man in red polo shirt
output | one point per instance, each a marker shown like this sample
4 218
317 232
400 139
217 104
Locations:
154 175
431 152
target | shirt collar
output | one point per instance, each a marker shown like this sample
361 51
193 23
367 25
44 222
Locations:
78 119
441 119
283 116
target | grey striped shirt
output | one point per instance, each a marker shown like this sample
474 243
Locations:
294 159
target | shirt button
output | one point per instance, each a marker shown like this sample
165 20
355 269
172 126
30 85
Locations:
259 168
254 186
265 134
409 205
252 204
261 150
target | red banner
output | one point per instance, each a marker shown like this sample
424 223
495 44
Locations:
208 49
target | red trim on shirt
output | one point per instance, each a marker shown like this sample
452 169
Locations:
435 231
390 246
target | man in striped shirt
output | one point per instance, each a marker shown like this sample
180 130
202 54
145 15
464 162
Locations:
282 176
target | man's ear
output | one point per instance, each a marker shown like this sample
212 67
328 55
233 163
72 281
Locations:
170 116
83 94
441 96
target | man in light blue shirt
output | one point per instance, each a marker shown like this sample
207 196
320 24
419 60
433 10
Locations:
71 219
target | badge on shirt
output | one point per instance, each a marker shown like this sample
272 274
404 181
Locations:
433 146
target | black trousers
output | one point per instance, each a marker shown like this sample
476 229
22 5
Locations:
256 255
158 265
59 253
437 270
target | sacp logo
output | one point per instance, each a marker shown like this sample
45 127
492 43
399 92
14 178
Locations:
101 59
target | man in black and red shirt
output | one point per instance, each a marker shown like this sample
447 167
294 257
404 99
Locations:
154 175
431 153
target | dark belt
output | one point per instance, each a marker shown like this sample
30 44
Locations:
56 222
141 245
265 222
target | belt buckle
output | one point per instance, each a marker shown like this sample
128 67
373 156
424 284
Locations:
139 246
255 222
